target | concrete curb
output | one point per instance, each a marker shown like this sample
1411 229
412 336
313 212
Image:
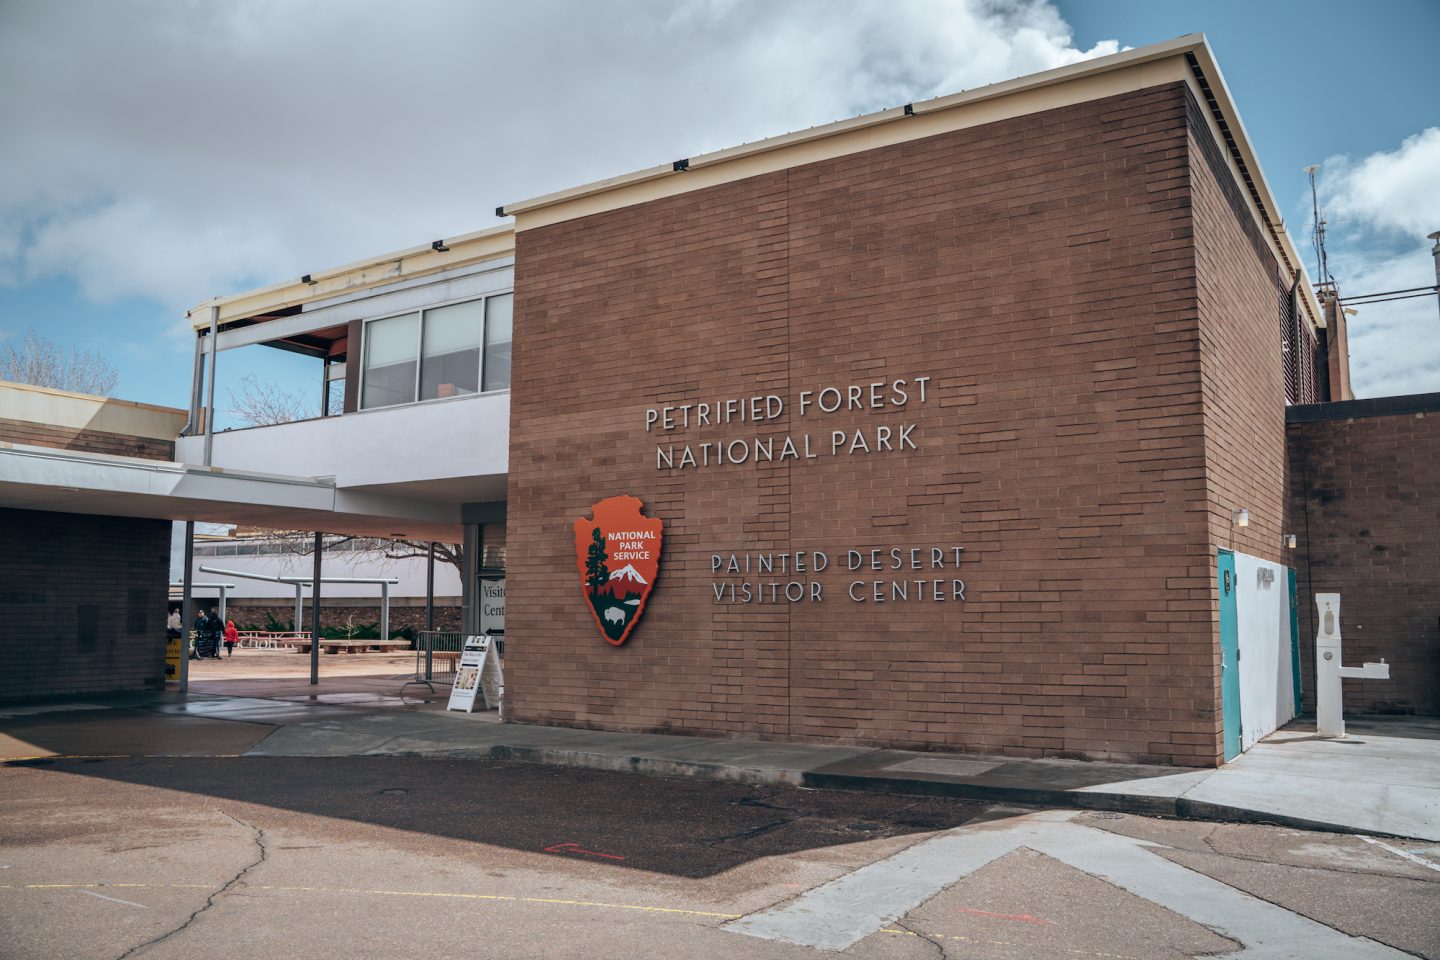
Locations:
1178 808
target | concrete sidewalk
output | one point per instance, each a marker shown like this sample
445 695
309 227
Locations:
1384 779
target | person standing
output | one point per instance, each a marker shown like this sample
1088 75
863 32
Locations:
211 634
197 649
232 637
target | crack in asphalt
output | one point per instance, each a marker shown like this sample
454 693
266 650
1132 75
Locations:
940 947
1209 841
761 801
1321 868
259 838
761 830
1298 911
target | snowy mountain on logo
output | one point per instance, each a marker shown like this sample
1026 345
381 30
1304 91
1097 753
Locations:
627 575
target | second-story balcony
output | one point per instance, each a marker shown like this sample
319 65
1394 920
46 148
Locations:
410 359
455 446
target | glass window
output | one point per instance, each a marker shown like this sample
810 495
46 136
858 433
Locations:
498 325
450 362
436 353
390 355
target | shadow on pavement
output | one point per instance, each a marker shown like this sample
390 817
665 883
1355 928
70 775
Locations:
684 828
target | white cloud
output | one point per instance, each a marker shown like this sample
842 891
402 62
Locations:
1378 210
187 150
1397 190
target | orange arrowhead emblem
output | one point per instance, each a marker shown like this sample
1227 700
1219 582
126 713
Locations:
618 556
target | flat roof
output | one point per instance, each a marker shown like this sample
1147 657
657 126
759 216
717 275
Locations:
83 411
1188 58
418 261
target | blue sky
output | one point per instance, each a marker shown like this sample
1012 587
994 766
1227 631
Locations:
162 153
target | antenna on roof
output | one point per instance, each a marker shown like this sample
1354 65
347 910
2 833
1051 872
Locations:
1322 262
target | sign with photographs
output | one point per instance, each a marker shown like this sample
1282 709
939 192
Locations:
477 677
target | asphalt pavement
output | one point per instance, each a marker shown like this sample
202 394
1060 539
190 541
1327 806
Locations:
363 820
227 858
1383 780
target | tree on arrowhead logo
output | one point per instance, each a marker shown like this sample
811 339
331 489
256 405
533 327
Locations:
618 556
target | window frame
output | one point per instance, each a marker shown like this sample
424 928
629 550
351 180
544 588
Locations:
420 312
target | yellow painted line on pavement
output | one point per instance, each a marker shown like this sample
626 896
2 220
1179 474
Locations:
122 756
111 886
544 901
437 894
490 896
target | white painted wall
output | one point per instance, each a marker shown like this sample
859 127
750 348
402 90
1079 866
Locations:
1262 608
436 440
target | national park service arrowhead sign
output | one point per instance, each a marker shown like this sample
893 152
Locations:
618 556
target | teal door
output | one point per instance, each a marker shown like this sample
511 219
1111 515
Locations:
1229 654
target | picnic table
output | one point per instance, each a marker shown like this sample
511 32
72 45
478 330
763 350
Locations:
354 646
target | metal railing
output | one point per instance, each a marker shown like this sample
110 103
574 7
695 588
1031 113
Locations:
436 653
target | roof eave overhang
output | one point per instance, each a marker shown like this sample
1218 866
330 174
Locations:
440 255
1194 48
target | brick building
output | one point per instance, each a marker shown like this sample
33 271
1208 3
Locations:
1085 270
1365 501
965 423
82 596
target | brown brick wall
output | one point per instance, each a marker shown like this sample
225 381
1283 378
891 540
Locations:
1043 271
90 441
82 603
1241 291
1366 499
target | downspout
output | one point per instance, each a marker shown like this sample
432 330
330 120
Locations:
210 385
196 377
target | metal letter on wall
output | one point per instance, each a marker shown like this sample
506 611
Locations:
618 557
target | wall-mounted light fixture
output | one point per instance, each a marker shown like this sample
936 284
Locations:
1290 540
1240 518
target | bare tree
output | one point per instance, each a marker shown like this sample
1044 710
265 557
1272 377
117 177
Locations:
302 543
262 404
44 363
259 404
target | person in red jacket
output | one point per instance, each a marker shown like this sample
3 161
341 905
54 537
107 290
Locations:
232 637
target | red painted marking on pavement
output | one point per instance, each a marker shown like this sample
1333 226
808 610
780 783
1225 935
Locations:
1022 917
576 848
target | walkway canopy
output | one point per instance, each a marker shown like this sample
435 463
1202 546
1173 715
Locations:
69 481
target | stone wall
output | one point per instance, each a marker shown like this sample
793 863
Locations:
339 614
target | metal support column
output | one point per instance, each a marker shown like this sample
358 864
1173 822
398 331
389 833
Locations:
1435 252
384 612
469 582
296 624
430 588
315 614
187 605
224 591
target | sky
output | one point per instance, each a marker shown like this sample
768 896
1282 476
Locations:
159 153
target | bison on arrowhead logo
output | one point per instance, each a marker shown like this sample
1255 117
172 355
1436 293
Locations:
618 556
